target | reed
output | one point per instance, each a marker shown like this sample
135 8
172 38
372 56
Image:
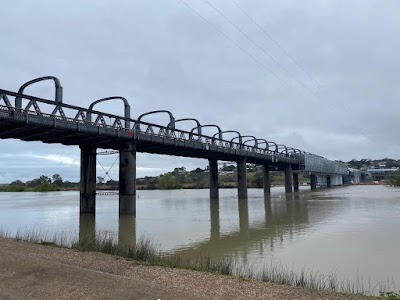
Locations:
146 250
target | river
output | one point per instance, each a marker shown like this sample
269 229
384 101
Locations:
352 231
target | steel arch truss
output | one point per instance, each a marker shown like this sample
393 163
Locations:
267 145
168 131
6 101
210 125
252 139
58 87
231 143
282 149
117 122
37 113
293 151
190 119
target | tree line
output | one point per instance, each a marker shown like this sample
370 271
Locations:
40 184
177 179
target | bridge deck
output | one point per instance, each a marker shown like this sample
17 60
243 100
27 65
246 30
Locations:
30 126
37 119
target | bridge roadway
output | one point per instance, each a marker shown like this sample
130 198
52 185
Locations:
30 118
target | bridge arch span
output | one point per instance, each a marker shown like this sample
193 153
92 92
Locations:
171 124
210 125
127 109
190 119
231 131
58 94
267 145
252 139
282 149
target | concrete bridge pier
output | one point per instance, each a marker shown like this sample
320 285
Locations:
313 181
266 179
127 180
242 179
296 182
88 180
214 191
288 179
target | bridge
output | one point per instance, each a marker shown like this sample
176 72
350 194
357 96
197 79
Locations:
31 118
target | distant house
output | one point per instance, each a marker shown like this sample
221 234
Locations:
381 174
382 165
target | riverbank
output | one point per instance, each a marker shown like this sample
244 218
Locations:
36 271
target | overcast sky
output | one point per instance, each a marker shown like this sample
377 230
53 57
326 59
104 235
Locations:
321 76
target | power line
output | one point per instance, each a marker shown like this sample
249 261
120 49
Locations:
258 46
232 41
276 43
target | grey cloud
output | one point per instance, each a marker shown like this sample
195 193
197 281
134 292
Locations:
160 55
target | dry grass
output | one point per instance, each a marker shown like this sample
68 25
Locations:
146 250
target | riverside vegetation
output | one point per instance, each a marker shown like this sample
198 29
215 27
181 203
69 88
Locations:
177 179
180 178
147 251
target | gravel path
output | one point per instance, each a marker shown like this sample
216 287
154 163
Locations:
30 271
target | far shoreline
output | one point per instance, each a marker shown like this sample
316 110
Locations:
187 187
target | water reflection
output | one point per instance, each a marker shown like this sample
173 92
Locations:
87 229
298 229
283 217
244 217
214 220
127 232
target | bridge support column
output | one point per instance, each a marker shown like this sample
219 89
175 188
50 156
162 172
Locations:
127 180
328 181
213 166
288 179
88 181
296 182
313 182
242 179
266 179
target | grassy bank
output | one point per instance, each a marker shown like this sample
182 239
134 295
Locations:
147 251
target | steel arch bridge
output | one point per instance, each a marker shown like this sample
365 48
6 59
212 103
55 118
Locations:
31 118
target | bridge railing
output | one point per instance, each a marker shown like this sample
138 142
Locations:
151 130
47 108
35 106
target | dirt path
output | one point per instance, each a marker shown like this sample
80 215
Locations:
29 271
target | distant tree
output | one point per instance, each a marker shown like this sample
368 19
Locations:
227 168
68 184
33 183
17 183
112 183
44 179
258 180
45 186
394 179
167 182
197 170
57 179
